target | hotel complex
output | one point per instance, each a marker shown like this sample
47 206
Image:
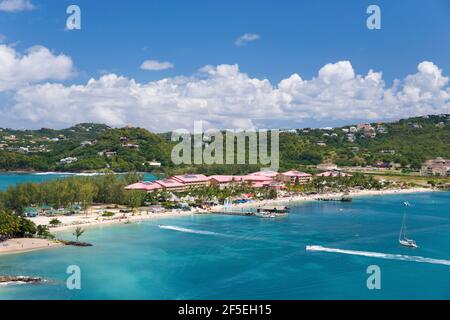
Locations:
261 179
436 167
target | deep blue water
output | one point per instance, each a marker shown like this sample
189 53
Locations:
253 258
11 179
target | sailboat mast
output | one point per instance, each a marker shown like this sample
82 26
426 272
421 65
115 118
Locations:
403 228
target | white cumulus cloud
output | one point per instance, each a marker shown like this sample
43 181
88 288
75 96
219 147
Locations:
225 97
154 65
16 5
36 65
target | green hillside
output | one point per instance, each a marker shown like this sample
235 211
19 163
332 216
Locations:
408 142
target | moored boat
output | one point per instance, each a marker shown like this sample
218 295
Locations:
272 212
403 239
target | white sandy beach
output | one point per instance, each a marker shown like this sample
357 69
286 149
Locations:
21 245
302 198
94 218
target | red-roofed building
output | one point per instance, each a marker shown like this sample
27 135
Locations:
293 177
145 186
222 181
171 185
265 173
192 180
259 185
256 181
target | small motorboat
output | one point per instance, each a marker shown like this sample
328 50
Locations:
272 212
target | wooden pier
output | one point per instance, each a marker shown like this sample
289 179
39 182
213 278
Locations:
341 199
235 213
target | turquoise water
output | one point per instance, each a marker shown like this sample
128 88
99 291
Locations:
11 179
253 258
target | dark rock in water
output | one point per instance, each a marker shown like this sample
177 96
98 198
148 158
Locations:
20 279
75 243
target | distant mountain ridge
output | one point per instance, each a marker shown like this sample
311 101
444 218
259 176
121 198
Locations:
93 147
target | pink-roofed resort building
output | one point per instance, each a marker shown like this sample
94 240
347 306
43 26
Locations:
146 186
192 180
171 185
293 177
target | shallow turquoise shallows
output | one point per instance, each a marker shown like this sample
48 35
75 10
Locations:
11 179
253 258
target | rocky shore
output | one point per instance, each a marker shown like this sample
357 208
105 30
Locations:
20 279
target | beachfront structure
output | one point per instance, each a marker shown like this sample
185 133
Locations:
265 173
261 179
222 181
436 167
256 181
294 177
333 174
192 180
150 186
171 185
277 185
46 210
145 186
30 212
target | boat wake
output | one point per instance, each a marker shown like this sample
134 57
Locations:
186 230
387 256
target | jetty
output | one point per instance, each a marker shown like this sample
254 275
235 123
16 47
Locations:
272 211
342 199
261 212
234 213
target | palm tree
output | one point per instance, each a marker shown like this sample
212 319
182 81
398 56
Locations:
54 222
78 232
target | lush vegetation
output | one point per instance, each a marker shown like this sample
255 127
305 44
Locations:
339 184
408 142
13 226
60 193
84 191
78 232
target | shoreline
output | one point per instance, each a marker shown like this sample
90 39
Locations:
90 222
306 198
63 172
93 218
22 245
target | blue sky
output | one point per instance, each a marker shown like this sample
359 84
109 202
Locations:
294 37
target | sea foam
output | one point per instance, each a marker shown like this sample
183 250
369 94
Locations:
379 255
186 230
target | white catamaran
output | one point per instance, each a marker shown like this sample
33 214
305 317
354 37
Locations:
403 239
